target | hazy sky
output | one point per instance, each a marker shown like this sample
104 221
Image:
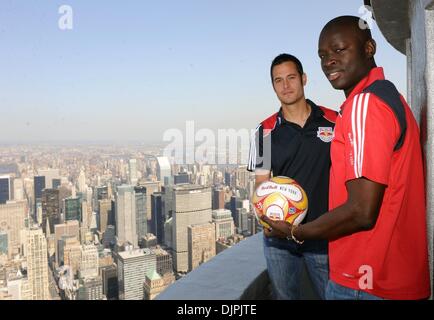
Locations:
128 70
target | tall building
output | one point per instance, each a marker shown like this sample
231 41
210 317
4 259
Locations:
133 265
86 215
112 214
151 188
235 204
109 237
242 177
71 249
141 214
191 205
56 183
90 288
181 178
5 189
155 284
218 198
243 225
228 179
12 220
164 170
37 263
158 217
148 241
126 224
164 261
89 261
253 223
104 211
224 223
18 287
18 187
109 275
81 181
132 172
50 175
201 244
72 209
50 209
168 234
39 185
101 193
4 244
167 195
69 228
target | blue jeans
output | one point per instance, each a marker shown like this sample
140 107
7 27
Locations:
335 291
284 269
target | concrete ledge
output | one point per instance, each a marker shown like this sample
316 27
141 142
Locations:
238 273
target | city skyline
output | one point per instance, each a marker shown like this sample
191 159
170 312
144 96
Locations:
112 223
131 71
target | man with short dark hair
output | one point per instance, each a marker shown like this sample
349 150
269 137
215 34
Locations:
377 219
292 143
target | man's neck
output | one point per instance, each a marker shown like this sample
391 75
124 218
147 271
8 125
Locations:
297 112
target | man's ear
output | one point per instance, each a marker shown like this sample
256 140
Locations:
304 79
370 48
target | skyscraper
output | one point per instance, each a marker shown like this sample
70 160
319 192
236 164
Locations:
234 205
109 276
243 226
12 218
69 228
89 261
50 175
72 209
181 178
151 188
18 189
39 185
228 179
141 214
56 183
158 217
155 284
242 176
109 237
5 189
70 249
132 172
101 193
104 210
164 261
201 244
81 181
192 205
164 171
90 288
4 245
167 196
37 263
218 198
50 209
224 223
133 265
126 230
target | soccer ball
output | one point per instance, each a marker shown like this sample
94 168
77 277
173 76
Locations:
280 198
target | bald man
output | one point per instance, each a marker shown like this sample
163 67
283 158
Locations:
377 219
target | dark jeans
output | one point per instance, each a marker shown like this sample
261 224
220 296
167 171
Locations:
284 269
337 292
